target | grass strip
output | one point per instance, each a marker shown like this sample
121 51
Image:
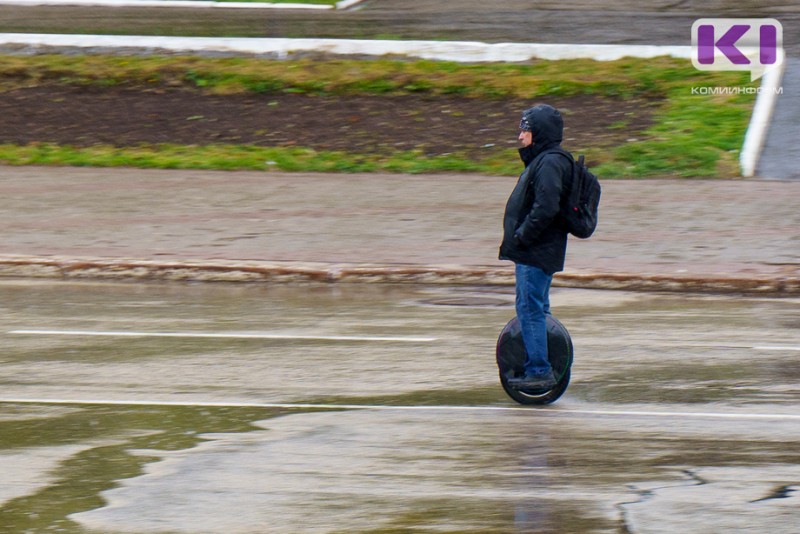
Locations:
243 157
695 134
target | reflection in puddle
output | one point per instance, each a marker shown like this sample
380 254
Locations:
356 471
366 470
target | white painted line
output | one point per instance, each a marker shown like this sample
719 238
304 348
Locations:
464 51
592 344
225 335
778 347
395 339
554 411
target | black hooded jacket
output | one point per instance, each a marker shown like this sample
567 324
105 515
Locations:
533 232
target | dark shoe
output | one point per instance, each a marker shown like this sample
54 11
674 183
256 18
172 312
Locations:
546 381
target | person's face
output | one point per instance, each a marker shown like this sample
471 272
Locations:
525 137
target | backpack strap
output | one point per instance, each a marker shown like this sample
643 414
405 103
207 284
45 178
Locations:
571 158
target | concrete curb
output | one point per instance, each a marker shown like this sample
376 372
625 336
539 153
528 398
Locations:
70 268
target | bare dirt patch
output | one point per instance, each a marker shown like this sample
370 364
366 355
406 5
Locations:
357 124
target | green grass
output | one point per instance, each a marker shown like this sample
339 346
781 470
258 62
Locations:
238 157
693 135
691 139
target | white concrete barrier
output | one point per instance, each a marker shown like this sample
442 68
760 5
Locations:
461 51
344 4
759 121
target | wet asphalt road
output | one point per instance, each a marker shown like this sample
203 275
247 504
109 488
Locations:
682 415
576 21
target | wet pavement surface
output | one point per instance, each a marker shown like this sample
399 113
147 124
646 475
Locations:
778 149
377 408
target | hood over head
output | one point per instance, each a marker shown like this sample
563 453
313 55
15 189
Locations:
547 127
545 122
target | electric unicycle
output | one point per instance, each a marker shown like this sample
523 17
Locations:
511 357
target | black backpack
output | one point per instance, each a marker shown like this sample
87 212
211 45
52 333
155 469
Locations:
579 207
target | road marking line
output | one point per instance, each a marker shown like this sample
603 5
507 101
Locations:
224 335
777 347
304 337
588 344
384 407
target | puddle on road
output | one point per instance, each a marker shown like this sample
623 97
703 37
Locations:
182 469
65 457
355 471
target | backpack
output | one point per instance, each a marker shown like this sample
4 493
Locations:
579 207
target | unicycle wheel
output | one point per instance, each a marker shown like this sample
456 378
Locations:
511 357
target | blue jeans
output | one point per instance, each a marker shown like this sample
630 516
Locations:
533 307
